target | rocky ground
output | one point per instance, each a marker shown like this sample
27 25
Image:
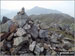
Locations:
23 36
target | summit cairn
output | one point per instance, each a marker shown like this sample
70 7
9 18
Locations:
23 36
21 18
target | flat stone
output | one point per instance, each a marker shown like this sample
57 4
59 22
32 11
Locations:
18 40
20 32
32 46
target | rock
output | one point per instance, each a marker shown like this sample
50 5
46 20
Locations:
18 40
20 32
27 26
5 27
0 22
21 19
22 11
5 36
38 49
1 44
32 46
4 19
67 45
53 38
43 33
46 46
10 36
7 45
44 26
34 31
68 39
60 37
13 28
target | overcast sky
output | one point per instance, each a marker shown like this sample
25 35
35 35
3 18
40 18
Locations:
63 6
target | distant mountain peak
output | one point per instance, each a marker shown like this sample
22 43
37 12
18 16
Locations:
40 10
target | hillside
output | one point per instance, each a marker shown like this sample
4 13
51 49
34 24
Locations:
56 18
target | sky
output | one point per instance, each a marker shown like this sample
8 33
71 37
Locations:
63 6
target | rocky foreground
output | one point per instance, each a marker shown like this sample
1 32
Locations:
22 36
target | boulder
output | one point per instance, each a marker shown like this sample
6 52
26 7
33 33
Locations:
4 19
7 45
34 31
18 40
53 38
20 32
38 49
43 33
32 46
67 45
21 19
27 26
13 28
44 26
5 27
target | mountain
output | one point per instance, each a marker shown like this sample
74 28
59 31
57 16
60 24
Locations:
53 18
38 10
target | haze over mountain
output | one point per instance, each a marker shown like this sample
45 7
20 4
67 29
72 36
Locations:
39 10
36 11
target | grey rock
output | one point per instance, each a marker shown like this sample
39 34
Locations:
27 26
32 46
34 31
5 27
67 45
38 49
20 32
21 19
43 34
7 45
4 19
18 40
44 26
54 38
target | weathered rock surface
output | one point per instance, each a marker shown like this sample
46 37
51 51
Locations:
32 46
43 33
34 31
5 27
20 32
20 18
18 40
4 19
